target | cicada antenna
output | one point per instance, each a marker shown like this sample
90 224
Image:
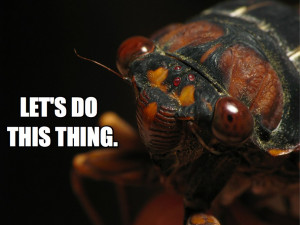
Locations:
99 64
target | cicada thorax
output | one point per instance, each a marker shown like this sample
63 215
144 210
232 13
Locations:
244 51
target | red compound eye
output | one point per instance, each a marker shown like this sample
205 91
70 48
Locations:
191 77
177 68
131 49
176 81
232 121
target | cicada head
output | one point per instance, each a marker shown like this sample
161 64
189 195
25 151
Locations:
171 95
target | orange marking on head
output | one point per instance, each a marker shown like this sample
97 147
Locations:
150 112
156 77
278 152
198 219
248 76
208 105
209 51
187 95
194 33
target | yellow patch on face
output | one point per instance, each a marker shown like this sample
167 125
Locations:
156 77
150 112
208 105
186 97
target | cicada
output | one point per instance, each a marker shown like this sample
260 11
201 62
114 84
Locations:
217 107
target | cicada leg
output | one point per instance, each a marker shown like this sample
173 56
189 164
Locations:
129 164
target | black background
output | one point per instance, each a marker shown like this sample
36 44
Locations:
37 42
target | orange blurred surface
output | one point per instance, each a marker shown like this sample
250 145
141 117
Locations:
164 209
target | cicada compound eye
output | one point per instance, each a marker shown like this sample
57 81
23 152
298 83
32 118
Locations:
232 121
131 49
